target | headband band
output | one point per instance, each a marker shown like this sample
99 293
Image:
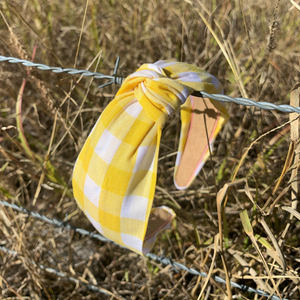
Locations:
115 174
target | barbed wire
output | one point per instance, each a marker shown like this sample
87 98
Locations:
248 102
118 79
161 259
114 78
58 223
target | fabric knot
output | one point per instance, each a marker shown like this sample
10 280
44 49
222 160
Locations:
155 90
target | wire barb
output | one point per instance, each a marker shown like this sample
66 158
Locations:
115 78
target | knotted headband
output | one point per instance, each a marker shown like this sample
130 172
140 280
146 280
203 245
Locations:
115 174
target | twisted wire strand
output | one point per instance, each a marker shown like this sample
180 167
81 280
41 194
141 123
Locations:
61 274
58 223
118 79
161 259
248 102
115 79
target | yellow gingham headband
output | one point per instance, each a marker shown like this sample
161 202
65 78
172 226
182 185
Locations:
114 176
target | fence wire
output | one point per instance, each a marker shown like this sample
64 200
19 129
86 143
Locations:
118 79
161 259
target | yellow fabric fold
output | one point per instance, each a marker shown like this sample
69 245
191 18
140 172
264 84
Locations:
114 176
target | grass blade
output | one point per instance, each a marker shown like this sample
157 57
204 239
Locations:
22 137
249 231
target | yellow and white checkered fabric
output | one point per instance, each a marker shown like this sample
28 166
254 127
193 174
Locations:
114 176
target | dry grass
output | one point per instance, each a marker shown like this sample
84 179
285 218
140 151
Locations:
259 58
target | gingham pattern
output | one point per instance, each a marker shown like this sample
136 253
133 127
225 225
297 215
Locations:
114 176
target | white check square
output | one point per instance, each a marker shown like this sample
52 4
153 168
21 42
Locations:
107 146
145 158
134 207
92 190
95 223
132 241
134 108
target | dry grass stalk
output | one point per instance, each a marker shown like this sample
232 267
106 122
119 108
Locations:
295 4
274 27
294 144
249 231
14 41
